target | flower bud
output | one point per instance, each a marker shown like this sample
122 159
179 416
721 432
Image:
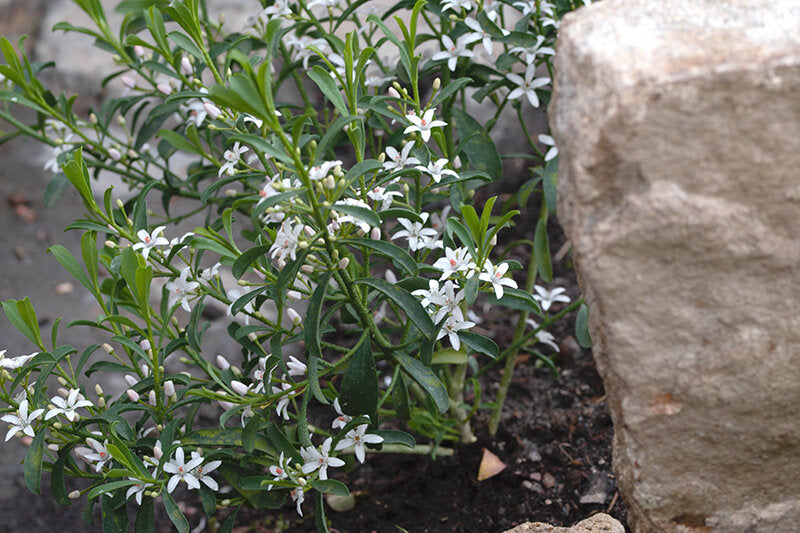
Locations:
114 154
164 88
62 391
226 502
375 234
309 230
329 182
93 118
108 348
128 82
62 381
157 452
227 405
335 255
301 481
151 398
308 269
132 153
145 345
130 380
74 495
239 387
132 395
140 51
212 110
382 157
294 316
343 262
186 66
110 244
101 402
98 389
223 363
293 295
169 387
493 240
57 425
436 84
52 447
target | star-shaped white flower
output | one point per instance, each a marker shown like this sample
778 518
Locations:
549 141
457 5
342 420
232 158
494 275
543 336
451 328
417 235
453 50
286 241
383 197
22 420
278 471
431 294
296 366
67 406
282 407
14 363
321 171
436 170
527 85
148 241
201 471
448 302
180 288
235 294
357 438
298 496
137 490
97 453
457 260
398 160
548 298
479 34
318 459
181 470
424 124
532 52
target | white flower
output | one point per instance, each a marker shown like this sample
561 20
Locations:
527 86
96 454
549 141
302 45
298 497
282 408
180 240
417 235
68 406
14 363
436 169
321 171
362 224
448 302
342 420
383 197
179 289
451 328
356 438
456 5
148 241
431 294
235 294
232 158
457 260
423 125
318 459
543 336
295 366
548 298
479 34
491 7
280 8
196 112
258 375
278 470
286 241
398 160
207 274
52 163
22 420
453 50
494 275
137 490
201 471
182 471
532 52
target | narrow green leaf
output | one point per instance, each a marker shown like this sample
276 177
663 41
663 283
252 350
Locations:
174 513
449 356
479 147
55 189
145 517
244 261
186 44
394 436
331 486
449 90
115 517
582 327
388 250
13 315
361 213
471 289
549 180
541 251
313 337
71 265
408 303
33 462
328 87
57 485
319 514
359 391
427 380
249 435
479 343
110 487
179 142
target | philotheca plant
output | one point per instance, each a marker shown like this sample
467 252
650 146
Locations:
346 217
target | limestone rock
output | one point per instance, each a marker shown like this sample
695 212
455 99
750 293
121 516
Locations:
678 125
599 523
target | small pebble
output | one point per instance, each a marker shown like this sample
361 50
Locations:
64 288
548 480
19 251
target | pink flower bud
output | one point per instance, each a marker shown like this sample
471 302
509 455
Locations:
186 66
139 51
223 363
293 295
157 451
127 81
145 345
239 387
375 234
226 405
151 398
134 397
114 154
212 110
309 230
52 447
393 92
343 262
164 88
169 388
130 380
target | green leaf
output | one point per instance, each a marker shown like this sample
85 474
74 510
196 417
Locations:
479 343
427 380
331 486
71 265
516 299
393 436
145 517
57 486
479 147
582 327
262 145
328 87
359 392
361 213
449 356
249 435
110 487
244 261
179 142
549 180
225 437
186 44
313 337
33 462
115 517
14 316
55 189
174 513
471 289
449 90
408 303
541 251
319 514
389 250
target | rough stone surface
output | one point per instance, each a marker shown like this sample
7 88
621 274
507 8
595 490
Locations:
678 126
599 523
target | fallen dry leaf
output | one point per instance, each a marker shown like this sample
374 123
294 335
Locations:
491 465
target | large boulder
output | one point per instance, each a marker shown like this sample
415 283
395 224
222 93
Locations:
678 125
599 523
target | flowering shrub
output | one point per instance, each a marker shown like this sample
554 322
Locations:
345 218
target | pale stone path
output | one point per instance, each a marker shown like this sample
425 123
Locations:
678 125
